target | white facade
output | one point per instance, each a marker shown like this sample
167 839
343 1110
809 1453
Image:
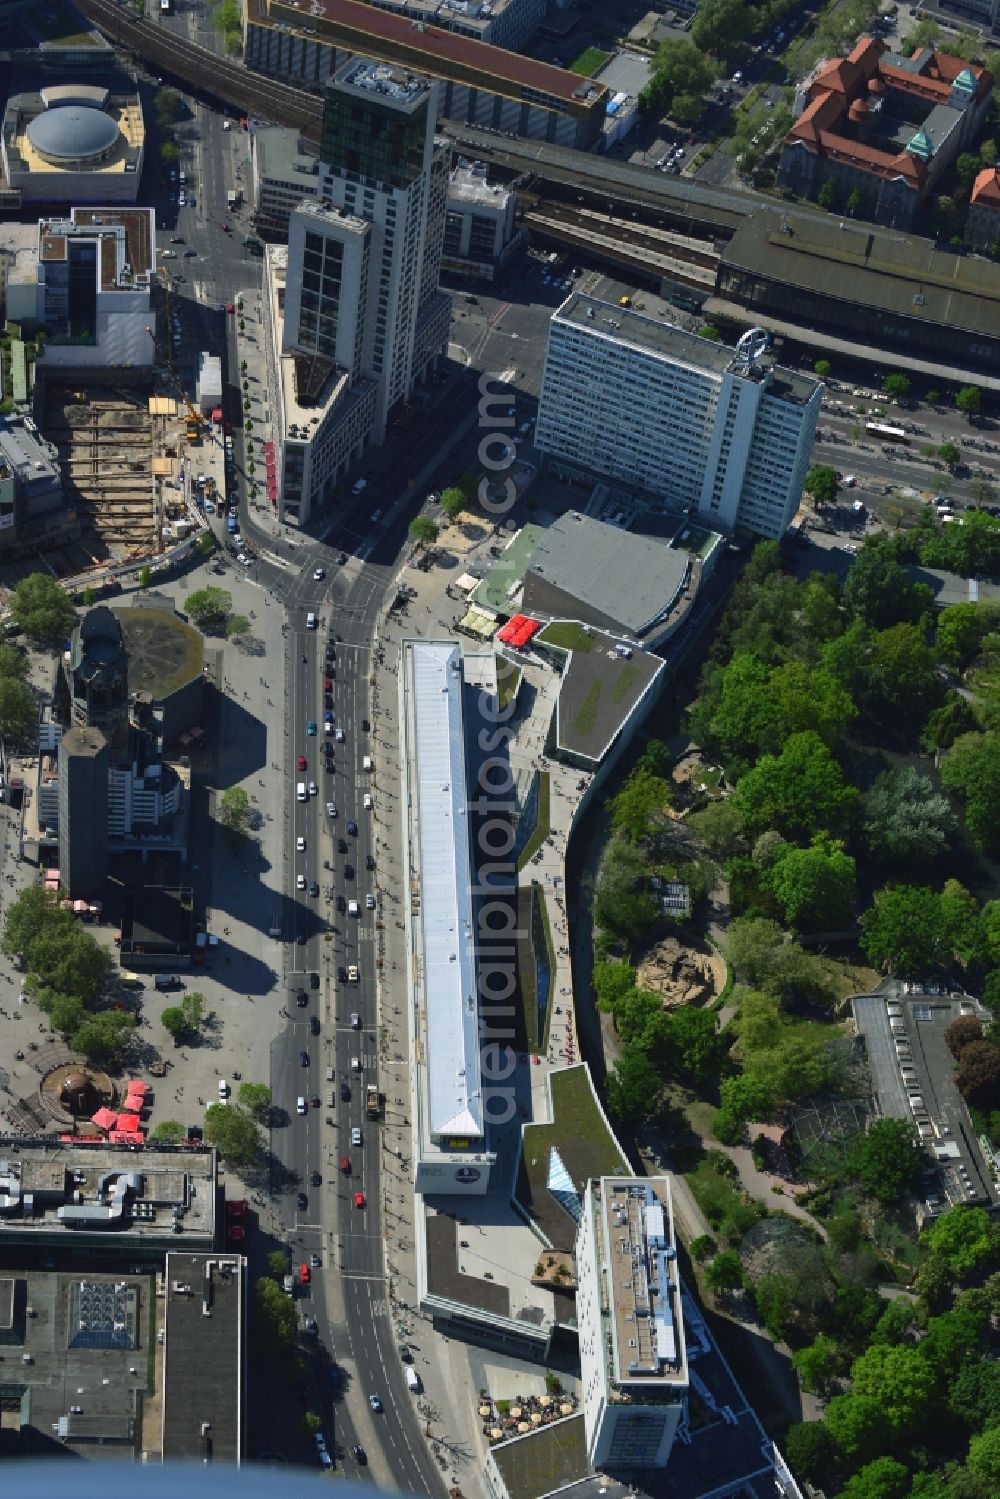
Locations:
209 382
633 1361
282 177
406 318
479 226
324 407
716 430
92 284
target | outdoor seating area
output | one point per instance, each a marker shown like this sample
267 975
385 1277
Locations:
503 1419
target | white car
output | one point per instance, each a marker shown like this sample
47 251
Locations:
340 736
355 1021
366 801
327 727
318 575
300 845
355 1135
331 809
313 789
223 1088
300 882
370 902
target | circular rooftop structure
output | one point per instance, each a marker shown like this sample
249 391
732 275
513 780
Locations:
72 133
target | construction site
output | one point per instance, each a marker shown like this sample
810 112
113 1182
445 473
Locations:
120 447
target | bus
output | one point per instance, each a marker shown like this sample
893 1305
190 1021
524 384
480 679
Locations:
885 433
166 7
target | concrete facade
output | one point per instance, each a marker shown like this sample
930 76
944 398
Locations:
719 432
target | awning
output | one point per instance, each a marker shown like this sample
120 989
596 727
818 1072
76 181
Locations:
518 631
104 1119
129 1122
217 414
136 1085
126 1137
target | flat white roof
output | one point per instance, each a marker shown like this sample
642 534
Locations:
444 873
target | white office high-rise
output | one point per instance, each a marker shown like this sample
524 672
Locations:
381 164
720 431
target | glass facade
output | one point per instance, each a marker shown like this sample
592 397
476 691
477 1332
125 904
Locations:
373 141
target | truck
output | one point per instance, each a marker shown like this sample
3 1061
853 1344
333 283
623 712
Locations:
412 1380
372 1101
232 200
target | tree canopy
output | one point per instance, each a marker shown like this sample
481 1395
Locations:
887 1158
799 792
822 483
42 609
210 608
234 1134
972 768
907 821
903 930
878 590
814 886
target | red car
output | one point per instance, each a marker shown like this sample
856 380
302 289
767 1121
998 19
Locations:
359 1199
235 1233
237 1209
300 763
304 1275
345 1164
230 307
327 685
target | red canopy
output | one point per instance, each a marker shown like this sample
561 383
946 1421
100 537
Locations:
125 1137
519 630
217 414
104 1119
136 1085
130 1122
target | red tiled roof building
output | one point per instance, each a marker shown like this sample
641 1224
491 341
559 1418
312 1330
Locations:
883 127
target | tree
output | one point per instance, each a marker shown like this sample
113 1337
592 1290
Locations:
623 902
233 1133
725 1273
811 1451
711 332
423 530
640 805
237 625
817 1364
685 71
719 826
168 1132
903 931
950 453
205 543
853 202
720 25
169 153
948 723
633 1088
878 591
974 1395
887 1159
760 955
961 921
174 1022
13 662
275 1322
693 1042
612 982
25 917
452 502
897 675
66 1013
902 1383
101 1037
64 956
934 1283
799 792
961 1032
42 609
822 368
984 1457
822 483
256 1099
703 1248
278 1263
18 712
977 1075
885 1478
964 1238
167 104
896 386
815 886
906 819
857 1425
827 193
969 400
209 608
961 630
972 768
234 804
145 576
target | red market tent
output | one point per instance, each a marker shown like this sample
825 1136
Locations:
518 631
104 1119
125 1137
136 1085
129 1122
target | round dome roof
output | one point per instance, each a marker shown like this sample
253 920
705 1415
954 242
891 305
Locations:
72 132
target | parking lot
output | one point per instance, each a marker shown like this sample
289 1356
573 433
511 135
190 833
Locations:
912 1078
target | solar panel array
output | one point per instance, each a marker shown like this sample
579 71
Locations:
103 1313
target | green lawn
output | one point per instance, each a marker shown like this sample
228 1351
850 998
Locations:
590 60
567 635
586 719
626 680
722 1203
542 827
585 1144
